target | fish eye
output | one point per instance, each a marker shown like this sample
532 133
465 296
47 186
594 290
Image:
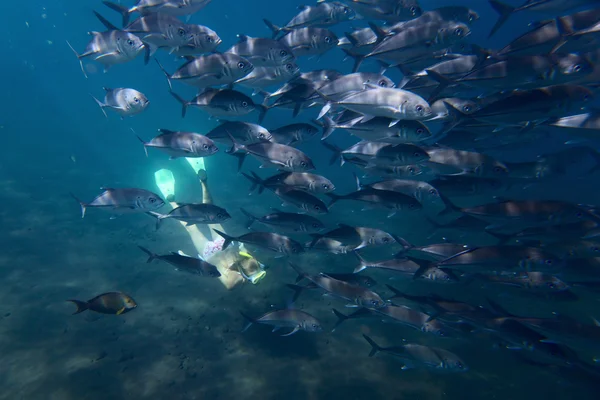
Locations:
152 200
497 169
459 365
420 131
244 104
549 262
289 66
577 68
551 285
209 39
261 136
595 249
315 225
385 240
205 146
283 53
416 154
411 205
467 109
586 97
241 65
458 32
303 163
346 11
411 170
325 186
220 215
181 32
130 42
419 108
382 83
327 39
317 207
413 10
432 191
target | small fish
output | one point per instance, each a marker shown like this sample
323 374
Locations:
115 303
242 132
191 265
397 264
323 14
216 69
283 157
262 52
287 222
293 133
124 101
181 144
263 77
356 295
303 200
310 41
222 103
194 214
419 356
178 8
304 181
110 48
267 240
123 200
287 318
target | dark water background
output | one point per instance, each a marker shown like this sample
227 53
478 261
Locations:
183 341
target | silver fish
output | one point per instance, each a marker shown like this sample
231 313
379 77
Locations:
181 144
275 155
123 200
194 214
184 263
262 52
323 14
124 101
176 8
304 181
310 41
287 222
266 240
211 70
222 103
263 77
110 48
288 318
242 132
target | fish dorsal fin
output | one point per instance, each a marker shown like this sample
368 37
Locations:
106 89
166 131
304 6
243 38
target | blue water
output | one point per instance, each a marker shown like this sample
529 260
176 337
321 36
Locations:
184 340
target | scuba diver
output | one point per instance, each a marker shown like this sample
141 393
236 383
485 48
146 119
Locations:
235 264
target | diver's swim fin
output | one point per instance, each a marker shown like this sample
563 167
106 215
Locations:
166 183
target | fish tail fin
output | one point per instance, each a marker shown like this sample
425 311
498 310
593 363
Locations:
337 152
255 181
151 255
79 59
144 143
158 216
249 321
363 263
340 318
375 348
315 237
120 9
228 239
262 112
505 12
565 30
81 305
396 292
324 110
105 22
328 126
184 103
81 203
442 81
251 218
234 151
100 104
166 74
402 242
450 208
297 291
274 28
334 198
358 59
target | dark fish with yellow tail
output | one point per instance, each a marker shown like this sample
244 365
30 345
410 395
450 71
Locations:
115 303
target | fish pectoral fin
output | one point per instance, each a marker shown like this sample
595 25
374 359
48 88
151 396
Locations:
112 53
296 329
351 305
121 311
275 329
